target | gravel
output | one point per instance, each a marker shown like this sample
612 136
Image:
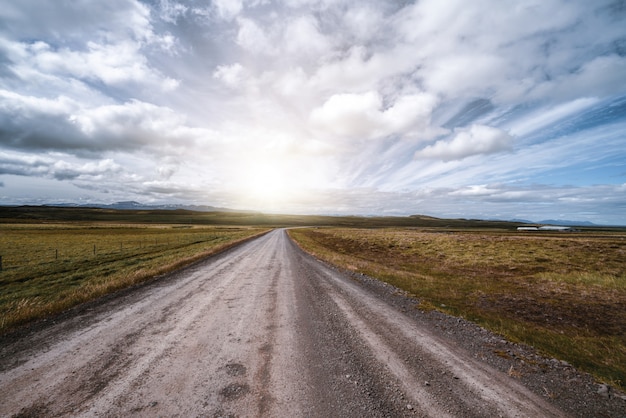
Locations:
576 393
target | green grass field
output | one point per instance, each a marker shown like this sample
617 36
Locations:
563 293
47 268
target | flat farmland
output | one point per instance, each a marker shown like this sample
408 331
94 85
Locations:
47 268
562 293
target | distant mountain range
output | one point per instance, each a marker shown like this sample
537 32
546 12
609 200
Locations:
132 205
556 222
561 222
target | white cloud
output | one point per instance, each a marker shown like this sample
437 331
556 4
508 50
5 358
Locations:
362 116
548 115
463 74
476 140
170 10
303 37
110 63
363 22
292 83
597 77
253 38
507 52
476 190
80 52
137 124
410 115
360 69
228 9
231 75
62 170
167 171
350 115
26 106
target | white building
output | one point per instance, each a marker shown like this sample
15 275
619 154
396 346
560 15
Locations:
551 228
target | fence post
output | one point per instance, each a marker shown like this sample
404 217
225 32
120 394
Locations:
94 249
0 263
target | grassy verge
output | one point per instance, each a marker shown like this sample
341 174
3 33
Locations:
563 293
47 268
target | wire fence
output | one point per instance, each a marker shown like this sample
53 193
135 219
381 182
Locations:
27 250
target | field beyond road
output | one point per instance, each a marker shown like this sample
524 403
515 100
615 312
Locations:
562 293
48 268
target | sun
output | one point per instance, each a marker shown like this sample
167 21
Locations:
277 182
267 182
265 185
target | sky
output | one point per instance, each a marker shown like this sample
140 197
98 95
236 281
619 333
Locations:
463 109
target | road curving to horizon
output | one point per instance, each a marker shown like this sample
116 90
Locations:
261 330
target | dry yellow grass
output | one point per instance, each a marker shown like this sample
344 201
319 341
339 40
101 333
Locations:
563 293
52 267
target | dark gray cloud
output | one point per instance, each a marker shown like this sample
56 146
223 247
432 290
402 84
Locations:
29 123
57 167
69 23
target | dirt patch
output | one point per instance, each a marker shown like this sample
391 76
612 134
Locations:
235 369
590 316
235 391
34 411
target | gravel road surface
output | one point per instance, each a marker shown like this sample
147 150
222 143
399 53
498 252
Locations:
264 330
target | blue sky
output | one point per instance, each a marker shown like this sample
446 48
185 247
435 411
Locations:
482 109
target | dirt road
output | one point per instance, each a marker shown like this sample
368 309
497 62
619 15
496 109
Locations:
261 330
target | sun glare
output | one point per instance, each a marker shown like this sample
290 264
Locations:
265 185
277 182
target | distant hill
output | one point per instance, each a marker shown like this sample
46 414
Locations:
562 222
135 212
131 211
424 217
132 205
522 221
